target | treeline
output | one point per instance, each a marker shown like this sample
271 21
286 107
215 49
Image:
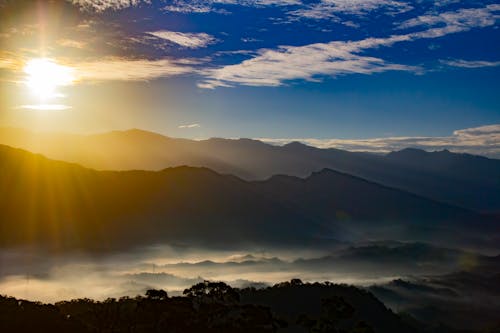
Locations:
216 307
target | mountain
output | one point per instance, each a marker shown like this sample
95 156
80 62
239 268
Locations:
65 206
464 166
469 181
371 262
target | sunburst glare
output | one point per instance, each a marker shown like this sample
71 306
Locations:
44 76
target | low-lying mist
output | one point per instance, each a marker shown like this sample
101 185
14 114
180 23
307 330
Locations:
34 275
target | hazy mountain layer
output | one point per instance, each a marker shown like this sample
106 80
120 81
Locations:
466 299
61 205
460 179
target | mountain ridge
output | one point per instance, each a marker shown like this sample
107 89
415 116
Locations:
72 206
459 179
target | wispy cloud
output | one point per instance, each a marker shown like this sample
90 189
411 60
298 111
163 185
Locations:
6 63
120 69
45 107
328 9
207 6
184 6
189 40
102 5
10 61
484 140
469 63
109 68
459 20
77 44
196 125
273 67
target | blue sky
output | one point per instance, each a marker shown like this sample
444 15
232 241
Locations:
273 69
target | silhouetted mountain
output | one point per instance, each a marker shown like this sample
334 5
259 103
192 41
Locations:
461 166
460 179
63 205
351 206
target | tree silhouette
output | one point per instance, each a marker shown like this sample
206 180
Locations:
213 292
214 307
157 294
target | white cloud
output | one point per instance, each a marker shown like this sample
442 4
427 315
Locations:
189 7
189 40
272 67
101 5
131 70
250 40
319 10
470 64
257 3
262 2
488 130
196 125
327 9
460 20
206 6
484 140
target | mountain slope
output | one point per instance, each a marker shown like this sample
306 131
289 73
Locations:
459 179
61 205
44 201
464 166
357 208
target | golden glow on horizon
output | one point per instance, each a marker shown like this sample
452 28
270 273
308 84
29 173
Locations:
44 76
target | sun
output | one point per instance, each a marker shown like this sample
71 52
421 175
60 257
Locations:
44 76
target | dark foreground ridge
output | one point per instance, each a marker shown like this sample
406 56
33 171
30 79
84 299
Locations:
216 307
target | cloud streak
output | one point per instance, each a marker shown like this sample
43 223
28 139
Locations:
188 40
273 67
45 107
207 6
102 5
470 64
484 140
71 43
328 9
462 19
120 69
196 125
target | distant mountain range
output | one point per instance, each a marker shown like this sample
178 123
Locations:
65 206
465 299
372 260
460 179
